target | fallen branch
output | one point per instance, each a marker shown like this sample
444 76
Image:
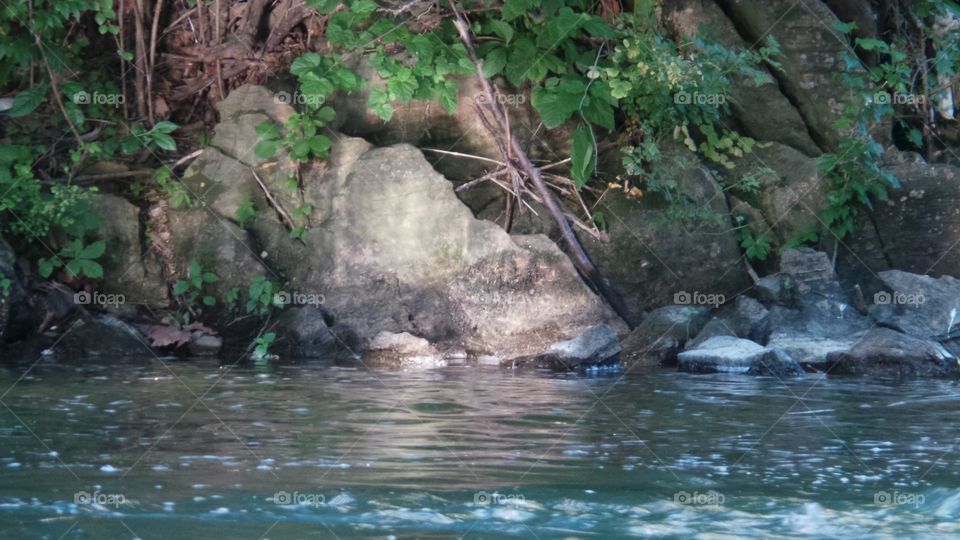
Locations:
273 202
517 158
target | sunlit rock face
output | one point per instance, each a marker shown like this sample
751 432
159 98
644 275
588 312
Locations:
389 247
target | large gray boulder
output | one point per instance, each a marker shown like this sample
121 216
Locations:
652 257
886 353
662 334
728 354
812 57
744 318
389 247
922 306
759 107
915 230
129 267
792 192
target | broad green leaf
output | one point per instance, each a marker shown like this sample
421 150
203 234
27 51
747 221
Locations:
94 250
379 104
164 142
584 159
402 85
268 130
305 62
515 8
91 269
502 29
266 149
45 268
448 96
164 126
27 101
494 62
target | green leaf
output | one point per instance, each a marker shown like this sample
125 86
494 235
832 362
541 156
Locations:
94 250
515 8
268 130
305 62
266 149
164 126
180 287
316 87
210 277
494 62
584 159
598 112
448 96
323 6
27 101
402 84
554 107
379 104
164 142
326 114
91 269
502 29
74 267
319 144
209 300
45 268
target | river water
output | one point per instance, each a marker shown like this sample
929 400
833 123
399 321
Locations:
197 450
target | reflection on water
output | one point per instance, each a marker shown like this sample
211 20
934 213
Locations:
189 449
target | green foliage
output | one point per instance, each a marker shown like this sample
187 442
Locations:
262 296
262 349
176 192
246 212
301 137
77 259
755 248
192 292
5 285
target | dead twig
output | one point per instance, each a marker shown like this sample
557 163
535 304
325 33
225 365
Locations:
517 155
273 202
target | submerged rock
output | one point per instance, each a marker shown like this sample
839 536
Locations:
886 353
103 336
402 350
597 346
303 332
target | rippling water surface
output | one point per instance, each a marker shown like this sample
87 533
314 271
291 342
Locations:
192 450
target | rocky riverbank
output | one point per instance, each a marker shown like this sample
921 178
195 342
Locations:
377 253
